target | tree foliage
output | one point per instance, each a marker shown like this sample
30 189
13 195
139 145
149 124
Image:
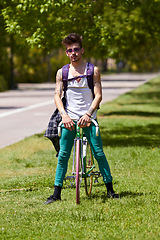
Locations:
127 30
45 23
134 30
117 27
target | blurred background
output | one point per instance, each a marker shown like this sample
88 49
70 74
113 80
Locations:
118 36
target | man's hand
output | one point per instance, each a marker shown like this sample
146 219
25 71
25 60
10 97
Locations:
84 121
67 121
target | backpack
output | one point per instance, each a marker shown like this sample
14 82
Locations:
89 75
52 129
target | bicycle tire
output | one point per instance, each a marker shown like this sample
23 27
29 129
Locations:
88 181
78 169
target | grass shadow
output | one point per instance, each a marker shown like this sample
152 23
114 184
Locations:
132 113
103 195
15 190
130 194
147 135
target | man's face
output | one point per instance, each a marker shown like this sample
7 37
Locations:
74 52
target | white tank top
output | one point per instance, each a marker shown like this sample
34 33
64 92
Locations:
78 97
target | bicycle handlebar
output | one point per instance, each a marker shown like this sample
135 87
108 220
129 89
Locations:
92 120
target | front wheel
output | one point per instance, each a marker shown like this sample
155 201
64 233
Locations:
88 181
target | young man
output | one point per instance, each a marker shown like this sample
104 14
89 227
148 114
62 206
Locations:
80 108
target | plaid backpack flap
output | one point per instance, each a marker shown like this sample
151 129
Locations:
52 129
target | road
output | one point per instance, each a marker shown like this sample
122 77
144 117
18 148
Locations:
26 111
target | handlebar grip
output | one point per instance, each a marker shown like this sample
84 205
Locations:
59 129
97 127
97 131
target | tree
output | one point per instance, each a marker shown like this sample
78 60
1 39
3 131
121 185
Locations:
45 23
123 29
5 57
134 30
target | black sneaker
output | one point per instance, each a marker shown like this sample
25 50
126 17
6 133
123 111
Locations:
51 199
112 194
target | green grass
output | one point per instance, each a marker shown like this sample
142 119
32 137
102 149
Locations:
130 128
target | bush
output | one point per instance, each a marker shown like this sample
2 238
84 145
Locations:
57 62
3 84
37 66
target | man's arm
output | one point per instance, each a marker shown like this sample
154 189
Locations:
58 91
96 101
68 123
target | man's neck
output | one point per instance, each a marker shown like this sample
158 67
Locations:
78 64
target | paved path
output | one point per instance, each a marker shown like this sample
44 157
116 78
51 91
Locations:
26 111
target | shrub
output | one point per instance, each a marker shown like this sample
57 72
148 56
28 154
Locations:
3 84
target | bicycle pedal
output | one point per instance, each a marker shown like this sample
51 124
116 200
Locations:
69 177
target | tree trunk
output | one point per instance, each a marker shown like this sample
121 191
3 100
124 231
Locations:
12 84
49 68
104 65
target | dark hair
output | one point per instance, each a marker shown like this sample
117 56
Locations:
72 38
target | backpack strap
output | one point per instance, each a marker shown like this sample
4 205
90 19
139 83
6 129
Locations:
90 72
65 71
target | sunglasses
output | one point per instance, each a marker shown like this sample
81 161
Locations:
70 50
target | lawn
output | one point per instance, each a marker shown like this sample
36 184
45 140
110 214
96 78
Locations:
130 129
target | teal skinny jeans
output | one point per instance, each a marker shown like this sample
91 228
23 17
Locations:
66 144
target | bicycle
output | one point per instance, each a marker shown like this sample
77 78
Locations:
84 165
